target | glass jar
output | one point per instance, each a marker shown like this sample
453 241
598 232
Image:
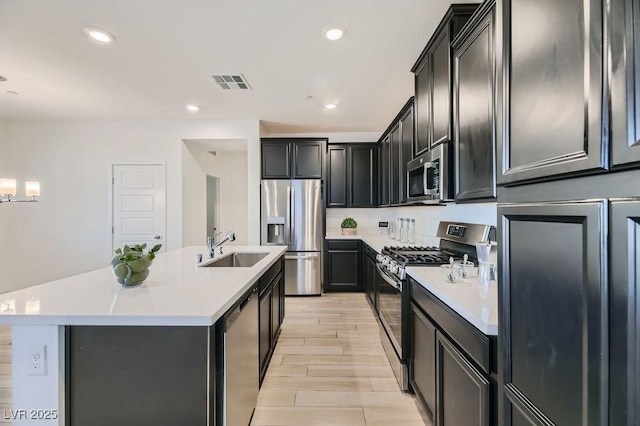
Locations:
411 238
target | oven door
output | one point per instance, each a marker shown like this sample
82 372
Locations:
390 308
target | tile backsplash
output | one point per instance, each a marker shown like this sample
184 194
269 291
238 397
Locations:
427 217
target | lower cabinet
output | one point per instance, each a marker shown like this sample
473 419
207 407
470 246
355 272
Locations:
463 392
369 273
422 369
271 315
342 269
452 365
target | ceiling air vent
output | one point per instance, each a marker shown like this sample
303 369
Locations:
232 81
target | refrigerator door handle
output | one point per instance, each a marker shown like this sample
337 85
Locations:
288 231
292 223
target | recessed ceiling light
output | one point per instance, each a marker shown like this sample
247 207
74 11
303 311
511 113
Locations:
330 106
99 35
333 32
193 108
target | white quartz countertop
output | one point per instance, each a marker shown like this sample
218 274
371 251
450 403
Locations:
473 301
177 292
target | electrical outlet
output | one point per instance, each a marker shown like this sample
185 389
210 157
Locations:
37 360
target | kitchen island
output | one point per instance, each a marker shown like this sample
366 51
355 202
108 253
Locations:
86 348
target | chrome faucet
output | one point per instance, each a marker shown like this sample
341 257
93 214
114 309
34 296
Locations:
212 245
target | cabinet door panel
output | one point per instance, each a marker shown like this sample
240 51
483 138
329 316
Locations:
554 84
463 393
275 310
624 68
407 131
474 102
337 177
422 373
394 166
307 160
362 166
343 271
441 90
384 170
265 329
423 90
625 313
553 320
275 160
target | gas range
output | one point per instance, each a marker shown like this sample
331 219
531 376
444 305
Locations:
392 291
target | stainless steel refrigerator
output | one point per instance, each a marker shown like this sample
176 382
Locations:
291 215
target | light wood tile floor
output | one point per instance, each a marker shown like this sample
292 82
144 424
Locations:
329 368
5 372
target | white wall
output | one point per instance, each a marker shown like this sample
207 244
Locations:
68 232
231 168
427 217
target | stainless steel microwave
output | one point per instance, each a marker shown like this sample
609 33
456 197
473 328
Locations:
428 176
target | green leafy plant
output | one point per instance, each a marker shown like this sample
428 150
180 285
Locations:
131 264
349 222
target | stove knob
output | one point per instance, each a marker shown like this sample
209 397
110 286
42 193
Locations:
401 273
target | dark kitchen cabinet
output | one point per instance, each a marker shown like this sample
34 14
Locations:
407 136
624 287
343 266
337 176
433 81
394 167
474 108
452 364
276 160
623 21
553 87
265 337
276 304
295 158
553 315
422 364
352 175
396 150
463 393
370 275
383 175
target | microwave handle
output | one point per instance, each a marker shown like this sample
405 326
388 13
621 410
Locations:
425 173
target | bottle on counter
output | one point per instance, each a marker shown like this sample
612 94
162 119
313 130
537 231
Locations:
399 222
403 229
412 232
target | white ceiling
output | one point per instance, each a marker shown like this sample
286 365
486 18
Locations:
167 50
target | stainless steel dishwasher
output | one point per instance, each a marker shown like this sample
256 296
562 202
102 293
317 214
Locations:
241 373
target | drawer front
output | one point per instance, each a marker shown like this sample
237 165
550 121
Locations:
465 335
343 244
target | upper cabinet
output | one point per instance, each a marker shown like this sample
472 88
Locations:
474 108
352 175
552 89
433 81
293 158
623 21
396 150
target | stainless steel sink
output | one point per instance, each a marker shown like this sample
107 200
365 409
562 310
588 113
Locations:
236 260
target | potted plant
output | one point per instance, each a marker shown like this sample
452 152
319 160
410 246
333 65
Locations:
131 264
349 226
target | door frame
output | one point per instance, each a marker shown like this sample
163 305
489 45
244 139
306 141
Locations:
110 192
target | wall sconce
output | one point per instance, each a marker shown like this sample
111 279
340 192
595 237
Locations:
8 190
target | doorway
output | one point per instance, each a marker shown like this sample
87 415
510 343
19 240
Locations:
213 205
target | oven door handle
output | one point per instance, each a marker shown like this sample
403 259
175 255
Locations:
389 281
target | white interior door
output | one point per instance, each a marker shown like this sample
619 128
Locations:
139 205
